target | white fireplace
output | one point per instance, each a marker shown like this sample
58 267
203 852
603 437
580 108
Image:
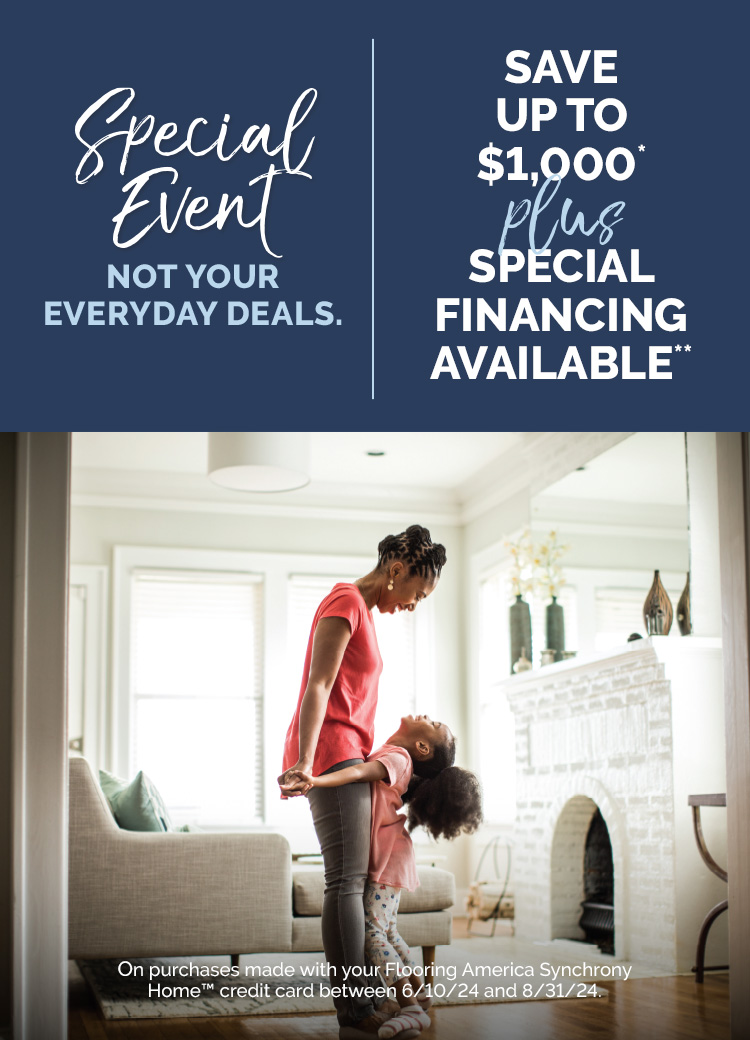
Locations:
632 733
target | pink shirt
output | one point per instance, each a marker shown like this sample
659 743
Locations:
349 724
392 860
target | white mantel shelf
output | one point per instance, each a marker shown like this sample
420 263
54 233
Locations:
668 649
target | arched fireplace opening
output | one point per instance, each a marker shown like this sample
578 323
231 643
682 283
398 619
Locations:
582 881
598 905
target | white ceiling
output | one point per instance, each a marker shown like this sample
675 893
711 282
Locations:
644 468
431 460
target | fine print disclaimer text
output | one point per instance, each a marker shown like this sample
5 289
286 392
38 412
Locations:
471 982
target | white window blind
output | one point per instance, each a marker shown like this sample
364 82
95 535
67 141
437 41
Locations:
396 635
305 591
197 693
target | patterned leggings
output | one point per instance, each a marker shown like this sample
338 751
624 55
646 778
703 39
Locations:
383 944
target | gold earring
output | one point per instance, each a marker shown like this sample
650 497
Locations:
390 585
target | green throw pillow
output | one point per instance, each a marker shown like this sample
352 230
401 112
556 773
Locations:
111 785
137 806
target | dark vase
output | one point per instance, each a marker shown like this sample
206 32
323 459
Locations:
520 630
684 620
555 628
657 610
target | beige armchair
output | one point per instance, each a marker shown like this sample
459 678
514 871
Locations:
134 894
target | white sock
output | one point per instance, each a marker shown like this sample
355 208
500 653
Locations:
423 999
412 1017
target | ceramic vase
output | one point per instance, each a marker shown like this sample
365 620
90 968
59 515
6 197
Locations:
555 617
520 631
523 664
657 610
684 620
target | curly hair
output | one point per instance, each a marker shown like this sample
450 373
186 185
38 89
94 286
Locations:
444 799
415 547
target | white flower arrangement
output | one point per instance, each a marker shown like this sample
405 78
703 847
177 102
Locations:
546 564
521 576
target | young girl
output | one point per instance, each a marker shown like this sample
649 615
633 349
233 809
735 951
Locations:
414 767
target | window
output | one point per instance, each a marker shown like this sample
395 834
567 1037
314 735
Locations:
87 661
197 694
209 649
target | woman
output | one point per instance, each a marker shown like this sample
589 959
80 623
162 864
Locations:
333 727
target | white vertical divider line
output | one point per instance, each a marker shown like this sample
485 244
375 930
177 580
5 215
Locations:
372 215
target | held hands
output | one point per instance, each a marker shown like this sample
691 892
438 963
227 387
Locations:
300 783
296 781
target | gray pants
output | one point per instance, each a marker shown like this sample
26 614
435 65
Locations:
342 823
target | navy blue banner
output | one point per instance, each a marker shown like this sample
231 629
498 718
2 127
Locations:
395 216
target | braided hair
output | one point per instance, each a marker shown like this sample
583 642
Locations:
441 797
414 547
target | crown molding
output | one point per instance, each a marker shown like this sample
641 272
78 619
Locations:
668 522
407 514
600 530
194 493
538 461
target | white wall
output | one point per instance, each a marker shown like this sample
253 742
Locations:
616 536
626 553
95 530
483 538
705 572
503 519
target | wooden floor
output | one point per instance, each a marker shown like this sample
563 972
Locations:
639 1009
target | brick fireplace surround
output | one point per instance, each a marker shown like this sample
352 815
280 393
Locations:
632 733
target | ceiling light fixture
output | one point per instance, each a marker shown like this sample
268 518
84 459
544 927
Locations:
375 454
259 461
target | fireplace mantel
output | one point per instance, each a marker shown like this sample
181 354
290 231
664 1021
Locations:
632 732
667 649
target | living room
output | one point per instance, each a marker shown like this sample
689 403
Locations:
142 506
150 535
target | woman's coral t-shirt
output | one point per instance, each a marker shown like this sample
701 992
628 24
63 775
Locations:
349 725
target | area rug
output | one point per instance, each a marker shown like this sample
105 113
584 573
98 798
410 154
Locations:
121 988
